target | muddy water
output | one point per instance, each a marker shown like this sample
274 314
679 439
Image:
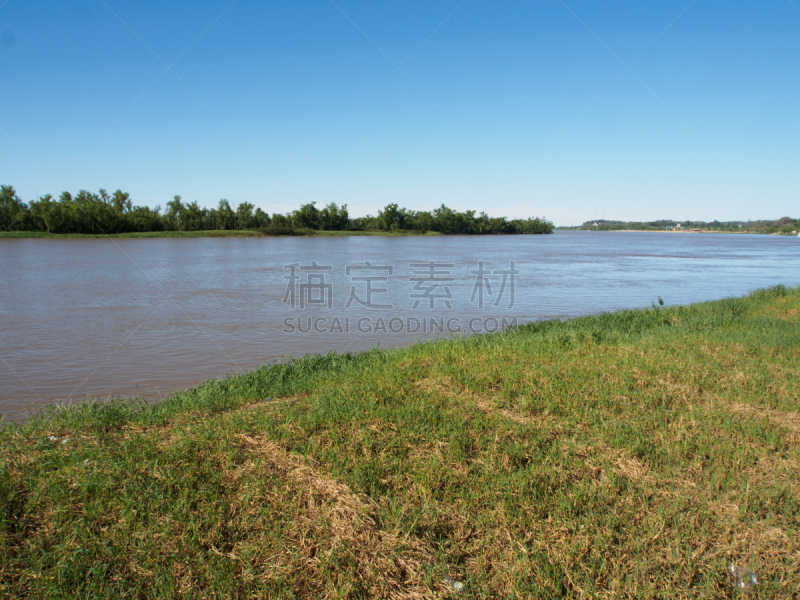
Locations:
149 316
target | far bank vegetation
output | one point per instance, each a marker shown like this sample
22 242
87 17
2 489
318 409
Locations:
104 213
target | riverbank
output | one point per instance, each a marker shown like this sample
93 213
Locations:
637 453
674 231
782 226
280 232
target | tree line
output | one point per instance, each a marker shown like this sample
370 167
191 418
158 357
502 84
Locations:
785 225
86 212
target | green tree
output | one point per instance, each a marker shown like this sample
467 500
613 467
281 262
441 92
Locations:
391 217
244 216
307 216
334 218
13 211
224 217
279 220
261 218
142 218
48 215
193 217
122 202
172 216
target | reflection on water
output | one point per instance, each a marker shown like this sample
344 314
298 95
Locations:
107 317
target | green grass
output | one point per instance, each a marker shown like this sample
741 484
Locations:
209 233
392 233
629 455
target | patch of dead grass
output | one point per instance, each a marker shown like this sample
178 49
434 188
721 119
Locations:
790 422
623 464
392 564
782 312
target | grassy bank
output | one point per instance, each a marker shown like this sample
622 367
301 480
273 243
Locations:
635 454
266 232
391 233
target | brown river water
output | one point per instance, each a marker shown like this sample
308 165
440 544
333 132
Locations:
121 317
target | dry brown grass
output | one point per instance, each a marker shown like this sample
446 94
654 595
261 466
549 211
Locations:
595 453
348 524
789 422
783 311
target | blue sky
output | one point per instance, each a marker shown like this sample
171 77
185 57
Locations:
515 108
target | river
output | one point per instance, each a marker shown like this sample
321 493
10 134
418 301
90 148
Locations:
120 317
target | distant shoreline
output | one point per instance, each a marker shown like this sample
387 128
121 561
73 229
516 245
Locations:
674 231
244 233
783 226
247 233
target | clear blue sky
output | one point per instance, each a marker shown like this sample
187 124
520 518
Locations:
516 108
